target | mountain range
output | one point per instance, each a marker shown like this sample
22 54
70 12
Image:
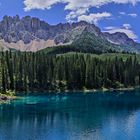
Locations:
32 34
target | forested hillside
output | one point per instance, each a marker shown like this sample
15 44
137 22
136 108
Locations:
74 71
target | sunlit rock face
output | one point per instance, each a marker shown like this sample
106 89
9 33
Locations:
32 34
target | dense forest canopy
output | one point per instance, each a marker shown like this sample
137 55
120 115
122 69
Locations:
73 71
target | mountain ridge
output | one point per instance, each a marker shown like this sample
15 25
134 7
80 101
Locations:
32 34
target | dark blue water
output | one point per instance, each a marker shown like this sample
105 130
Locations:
72 116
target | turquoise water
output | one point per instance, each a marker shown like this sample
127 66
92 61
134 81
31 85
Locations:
72 116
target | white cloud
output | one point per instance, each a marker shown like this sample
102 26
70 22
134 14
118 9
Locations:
74 14
72 4
122 13
130 14
126 28
109 28
94 18
133 15
76 7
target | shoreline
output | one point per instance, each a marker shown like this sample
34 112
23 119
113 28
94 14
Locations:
84 90
102 90
112 89
6 98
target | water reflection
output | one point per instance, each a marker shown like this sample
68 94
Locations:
72 116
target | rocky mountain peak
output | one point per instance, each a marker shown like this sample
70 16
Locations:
31 29
120 38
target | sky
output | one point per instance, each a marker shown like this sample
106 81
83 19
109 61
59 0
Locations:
110 15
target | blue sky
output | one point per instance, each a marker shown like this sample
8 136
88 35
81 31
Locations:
109 15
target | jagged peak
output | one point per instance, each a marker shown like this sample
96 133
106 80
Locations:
27 29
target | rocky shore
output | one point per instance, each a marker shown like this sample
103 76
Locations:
8 96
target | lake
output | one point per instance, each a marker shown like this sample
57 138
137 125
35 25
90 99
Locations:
72 116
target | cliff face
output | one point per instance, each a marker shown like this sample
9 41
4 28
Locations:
32 34
14 29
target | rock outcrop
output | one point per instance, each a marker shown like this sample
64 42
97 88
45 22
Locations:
31 34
